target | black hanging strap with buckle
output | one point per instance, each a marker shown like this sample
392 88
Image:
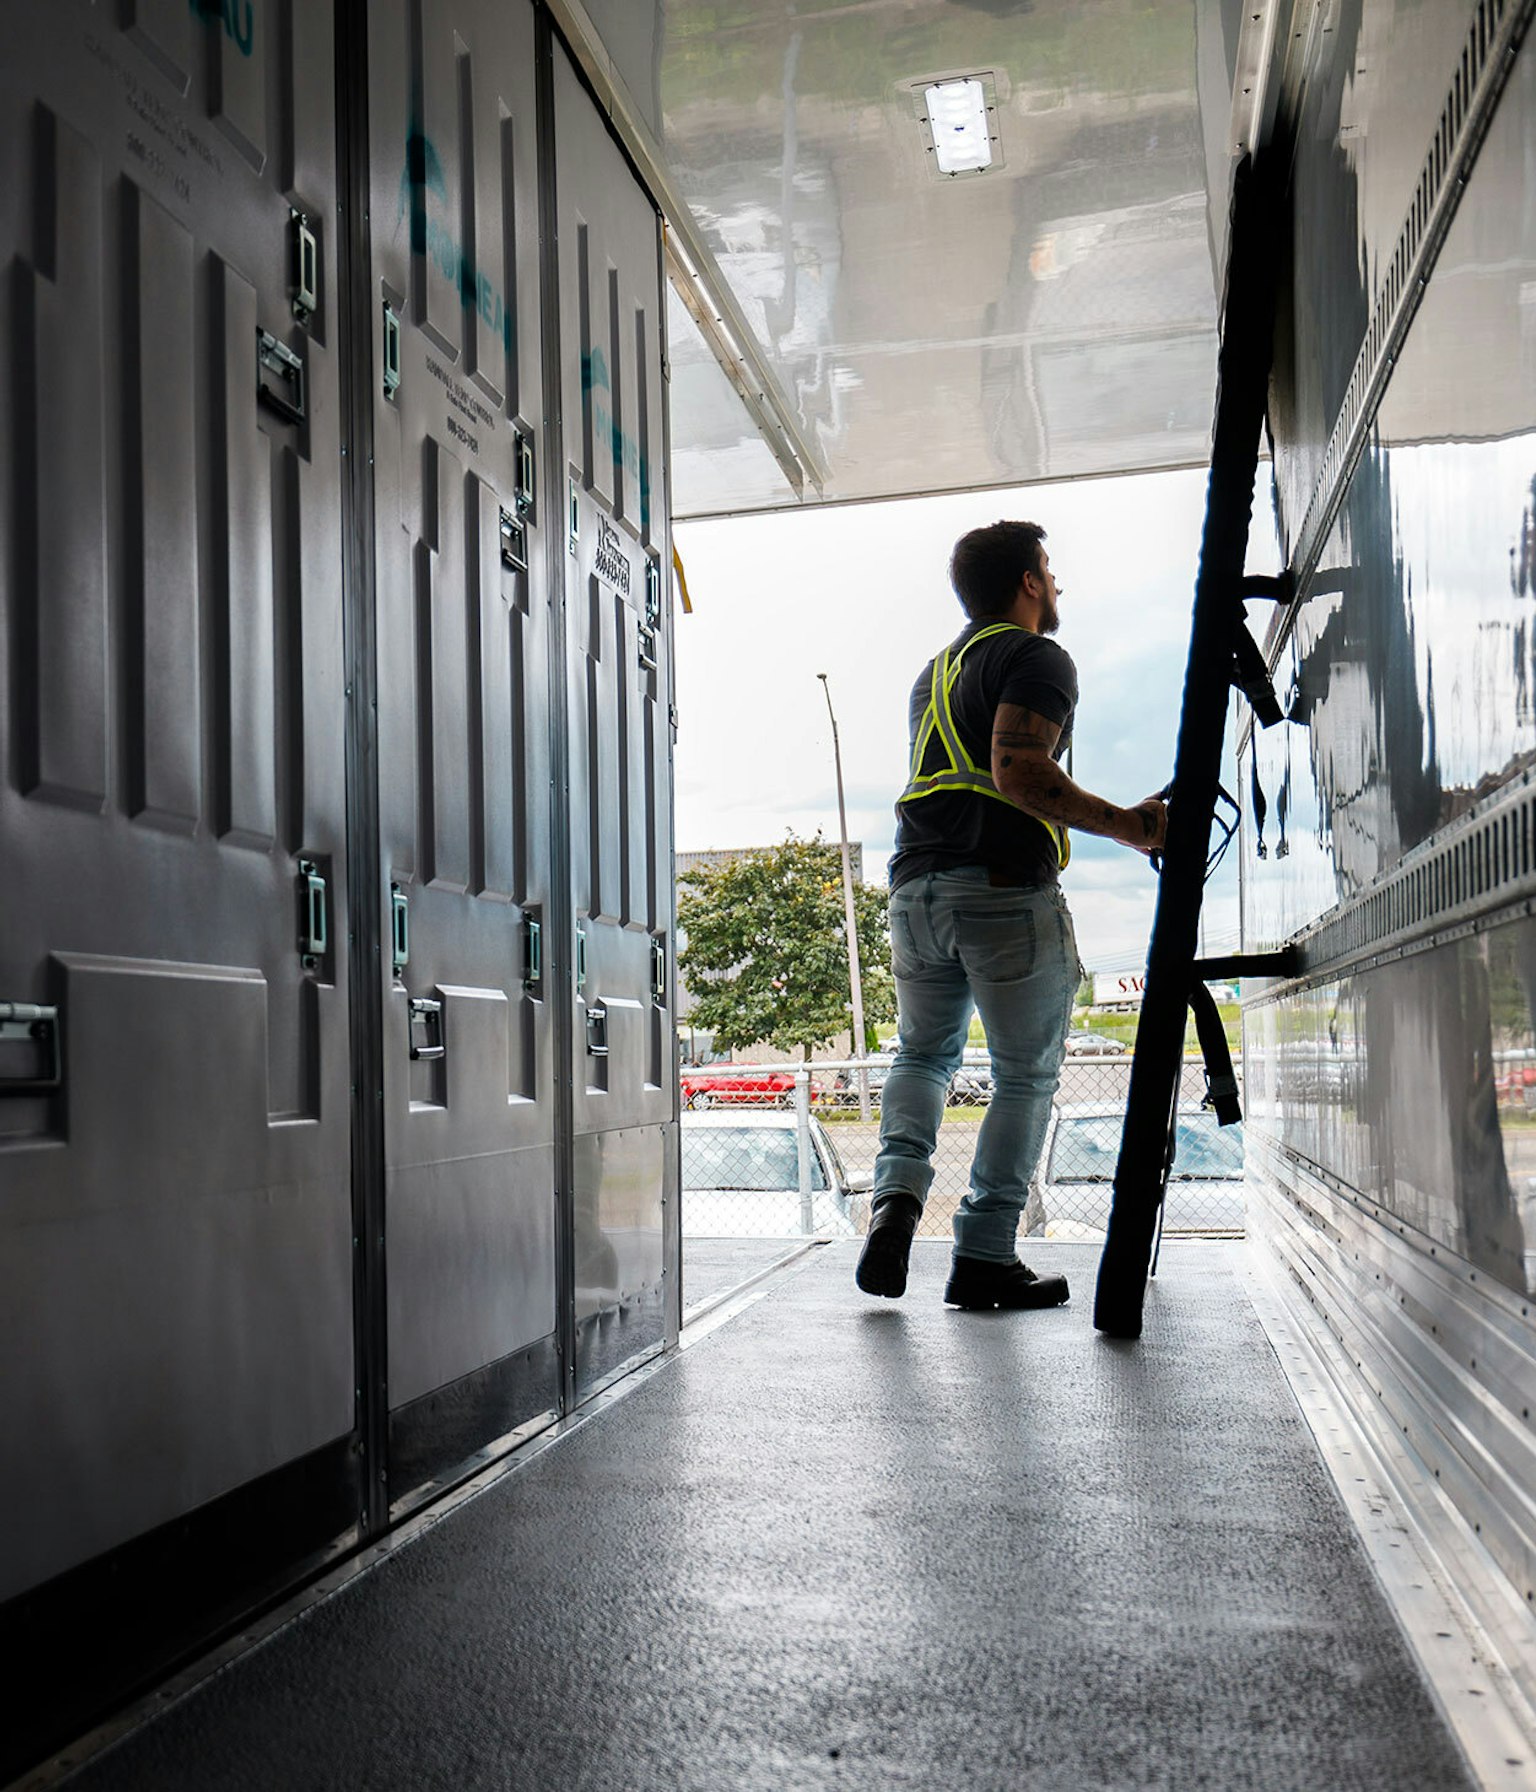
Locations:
1251 676
1221 1092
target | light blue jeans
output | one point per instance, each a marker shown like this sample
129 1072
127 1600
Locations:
956 942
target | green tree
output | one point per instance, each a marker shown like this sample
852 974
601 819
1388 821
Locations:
766 959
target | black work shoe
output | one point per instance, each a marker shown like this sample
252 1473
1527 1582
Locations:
979 1285
883 1262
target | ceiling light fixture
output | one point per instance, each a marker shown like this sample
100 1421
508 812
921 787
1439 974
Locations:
959 116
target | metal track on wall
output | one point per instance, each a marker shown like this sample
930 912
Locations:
1487 56
1479 871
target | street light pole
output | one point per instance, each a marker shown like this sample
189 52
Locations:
855 982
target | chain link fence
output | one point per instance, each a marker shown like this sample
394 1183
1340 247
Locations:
785 1151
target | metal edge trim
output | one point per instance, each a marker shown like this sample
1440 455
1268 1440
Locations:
711 1303
560 931
584 40
1255 81
1404 1537
1017 484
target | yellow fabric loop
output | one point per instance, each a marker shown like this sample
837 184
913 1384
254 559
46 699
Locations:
959 771
682 583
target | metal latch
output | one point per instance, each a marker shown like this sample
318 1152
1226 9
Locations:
514 542
658 973
652 594
533 952
399 928
32 1023
276 362
573 516
306 269
427 1013
391 351
527 484
581 957
314 929
652 618
597 1032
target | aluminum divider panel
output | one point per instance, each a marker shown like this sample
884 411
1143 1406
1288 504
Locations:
617 673
464 730
176 1237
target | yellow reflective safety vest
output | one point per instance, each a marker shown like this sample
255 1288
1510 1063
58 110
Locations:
939 759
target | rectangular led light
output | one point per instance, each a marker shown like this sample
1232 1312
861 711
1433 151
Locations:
961 126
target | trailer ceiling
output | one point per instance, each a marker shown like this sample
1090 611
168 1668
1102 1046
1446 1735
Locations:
1054 316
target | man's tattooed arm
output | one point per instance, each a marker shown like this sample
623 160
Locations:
1024 771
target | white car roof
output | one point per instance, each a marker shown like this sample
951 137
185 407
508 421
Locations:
741 1116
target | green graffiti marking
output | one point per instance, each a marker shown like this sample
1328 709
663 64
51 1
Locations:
424 198
239 21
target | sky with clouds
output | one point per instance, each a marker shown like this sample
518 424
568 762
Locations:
861 593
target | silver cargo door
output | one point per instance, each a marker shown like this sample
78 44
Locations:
617 553
176 1314
464 731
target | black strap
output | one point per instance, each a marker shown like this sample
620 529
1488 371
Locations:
1251 676
1221 1090
1260 804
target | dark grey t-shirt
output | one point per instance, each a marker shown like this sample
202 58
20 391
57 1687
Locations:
960 827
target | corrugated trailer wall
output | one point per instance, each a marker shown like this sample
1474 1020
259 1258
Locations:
337 1095
1392 1087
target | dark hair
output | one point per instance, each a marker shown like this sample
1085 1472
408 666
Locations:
988 565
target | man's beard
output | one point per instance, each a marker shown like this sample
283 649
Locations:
1050 621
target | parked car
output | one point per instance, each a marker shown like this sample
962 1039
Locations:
737 1085
1082 1147
971 1085
741 1179
1082 1044
844 1092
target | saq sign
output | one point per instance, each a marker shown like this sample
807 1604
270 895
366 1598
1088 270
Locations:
1118 988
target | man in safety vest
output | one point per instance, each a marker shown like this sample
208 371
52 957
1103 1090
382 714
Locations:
978 917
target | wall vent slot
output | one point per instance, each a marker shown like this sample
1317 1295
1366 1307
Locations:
1472 874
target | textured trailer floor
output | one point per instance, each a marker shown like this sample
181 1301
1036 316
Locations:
845 1543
